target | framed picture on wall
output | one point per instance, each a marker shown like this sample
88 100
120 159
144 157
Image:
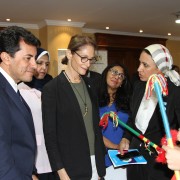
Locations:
61 55
101 62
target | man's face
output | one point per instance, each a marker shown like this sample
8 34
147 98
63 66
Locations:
21 67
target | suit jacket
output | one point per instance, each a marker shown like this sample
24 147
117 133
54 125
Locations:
17 137
65 133
95 77
155 130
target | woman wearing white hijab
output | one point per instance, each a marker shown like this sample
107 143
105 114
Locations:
146 117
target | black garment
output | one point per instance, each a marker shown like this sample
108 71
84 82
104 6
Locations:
48 176
68 146
155 131
95 78
150 171
39 83
135 77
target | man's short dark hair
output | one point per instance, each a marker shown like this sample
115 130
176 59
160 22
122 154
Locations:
12 35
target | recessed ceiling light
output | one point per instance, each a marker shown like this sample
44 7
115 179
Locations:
107 27
178 18
141 31
177 14
69 20
177 21
8 19
169 34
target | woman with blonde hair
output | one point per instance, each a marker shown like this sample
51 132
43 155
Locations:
70 114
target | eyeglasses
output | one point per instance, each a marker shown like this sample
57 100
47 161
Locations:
85 59
114 72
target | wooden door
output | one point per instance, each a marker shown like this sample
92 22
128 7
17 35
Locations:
125 49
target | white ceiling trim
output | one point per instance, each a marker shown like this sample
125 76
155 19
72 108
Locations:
64 23
86 30
24 25
81 25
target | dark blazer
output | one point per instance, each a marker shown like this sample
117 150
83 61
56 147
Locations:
65 133
155 130
17 136
95 78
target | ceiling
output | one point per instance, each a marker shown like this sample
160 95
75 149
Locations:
155 17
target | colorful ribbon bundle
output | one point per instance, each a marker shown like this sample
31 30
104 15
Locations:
116 121
156 78
160 152
159 84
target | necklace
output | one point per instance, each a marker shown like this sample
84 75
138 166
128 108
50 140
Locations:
83 100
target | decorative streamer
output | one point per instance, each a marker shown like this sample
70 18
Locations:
116 121
159 84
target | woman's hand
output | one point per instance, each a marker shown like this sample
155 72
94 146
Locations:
110 144
63 174
123 145
178 135
34 177
173 157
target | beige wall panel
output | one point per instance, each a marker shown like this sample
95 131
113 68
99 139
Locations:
35 32
174 48
43 37
58 38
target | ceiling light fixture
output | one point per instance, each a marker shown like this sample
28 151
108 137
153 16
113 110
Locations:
141 31
8 19
69 20
177 14
178 20
107 27
169 34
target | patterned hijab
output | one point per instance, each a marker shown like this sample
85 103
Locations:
163 59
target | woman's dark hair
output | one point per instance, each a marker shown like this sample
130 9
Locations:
123 93
176 68
146 51
77 42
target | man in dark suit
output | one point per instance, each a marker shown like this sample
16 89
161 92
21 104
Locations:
18 48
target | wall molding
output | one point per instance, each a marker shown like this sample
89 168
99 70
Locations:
48 22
